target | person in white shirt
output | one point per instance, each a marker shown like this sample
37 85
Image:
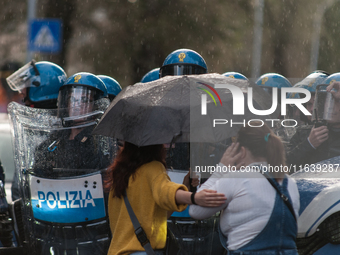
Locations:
255 218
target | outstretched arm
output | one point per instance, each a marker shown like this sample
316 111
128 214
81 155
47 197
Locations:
207 198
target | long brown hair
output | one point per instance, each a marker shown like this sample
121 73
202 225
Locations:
128 160
262 142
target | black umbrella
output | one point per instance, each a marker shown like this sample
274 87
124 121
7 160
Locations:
170 109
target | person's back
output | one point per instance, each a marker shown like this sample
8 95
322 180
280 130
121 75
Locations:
138 175
150 194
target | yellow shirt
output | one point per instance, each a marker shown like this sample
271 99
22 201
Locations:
151 195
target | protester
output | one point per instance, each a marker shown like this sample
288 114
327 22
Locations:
255 219
141 173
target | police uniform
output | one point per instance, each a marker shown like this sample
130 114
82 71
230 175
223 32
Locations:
59 152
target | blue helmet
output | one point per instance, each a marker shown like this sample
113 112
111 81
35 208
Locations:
183 62
78 97
112 86
235 75
87 80
273 80
332 78
311 81
151 75
42 81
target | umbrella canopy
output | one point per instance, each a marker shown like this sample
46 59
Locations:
170 109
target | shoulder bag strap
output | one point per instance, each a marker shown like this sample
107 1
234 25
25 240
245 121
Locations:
139 231
283 196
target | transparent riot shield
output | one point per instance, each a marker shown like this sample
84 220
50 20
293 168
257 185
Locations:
60 180
326 107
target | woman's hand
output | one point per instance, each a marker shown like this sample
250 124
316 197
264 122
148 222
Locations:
209 198
232 156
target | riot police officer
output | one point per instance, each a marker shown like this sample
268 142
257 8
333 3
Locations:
39 83
321 140
189 232
182 62
64 209
293 113
73 147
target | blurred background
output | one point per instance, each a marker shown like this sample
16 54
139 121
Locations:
127 38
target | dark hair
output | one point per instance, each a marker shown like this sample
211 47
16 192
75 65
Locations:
128 160
271 148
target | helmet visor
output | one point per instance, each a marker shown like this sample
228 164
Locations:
26 76
76 105
181 70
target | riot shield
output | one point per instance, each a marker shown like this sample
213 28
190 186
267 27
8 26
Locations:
60 171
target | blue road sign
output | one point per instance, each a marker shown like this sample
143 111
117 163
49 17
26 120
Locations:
45 35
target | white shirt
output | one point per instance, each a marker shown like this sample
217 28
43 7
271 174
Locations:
249 204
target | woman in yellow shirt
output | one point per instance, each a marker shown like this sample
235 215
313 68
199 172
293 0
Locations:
141 172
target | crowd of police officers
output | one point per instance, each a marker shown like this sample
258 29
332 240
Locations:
54 148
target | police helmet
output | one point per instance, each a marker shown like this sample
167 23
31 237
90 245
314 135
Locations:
112 86
332 78
273 80
42 81
312 80
151 75
183 62
321 71
235 75
78 97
